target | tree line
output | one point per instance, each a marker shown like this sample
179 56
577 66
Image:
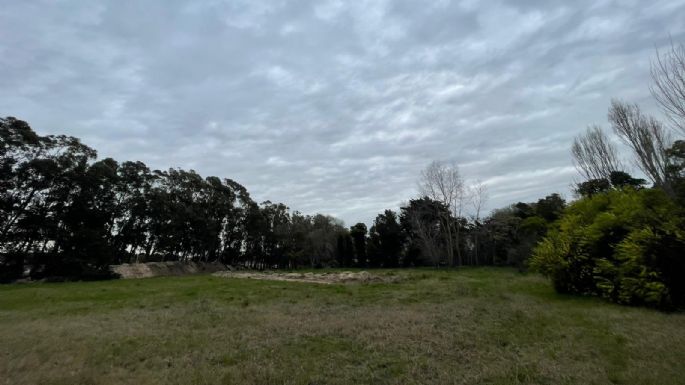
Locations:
64 213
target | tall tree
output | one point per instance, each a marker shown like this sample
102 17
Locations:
358 233
345 250
422 222
442 182
386 239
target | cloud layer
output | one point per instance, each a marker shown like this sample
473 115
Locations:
333 106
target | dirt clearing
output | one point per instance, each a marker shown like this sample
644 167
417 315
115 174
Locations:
322 278
164 269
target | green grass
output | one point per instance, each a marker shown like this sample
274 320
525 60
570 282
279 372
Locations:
473 326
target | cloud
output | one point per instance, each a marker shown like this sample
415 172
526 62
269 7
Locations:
333 106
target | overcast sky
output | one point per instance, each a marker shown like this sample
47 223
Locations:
333 106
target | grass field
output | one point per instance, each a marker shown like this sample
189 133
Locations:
474 326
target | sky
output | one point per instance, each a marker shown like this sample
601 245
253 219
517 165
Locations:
334 106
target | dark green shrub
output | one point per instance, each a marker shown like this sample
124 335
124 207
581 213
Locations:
624 245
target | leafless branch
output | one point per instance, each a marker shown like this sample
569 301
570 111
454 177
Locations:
594 156
668 83
645 136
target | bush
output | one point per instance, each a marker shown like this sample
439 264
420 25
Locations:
624 245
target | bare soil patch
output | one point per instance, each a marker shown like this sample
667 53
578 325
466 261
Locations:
322 278
164 269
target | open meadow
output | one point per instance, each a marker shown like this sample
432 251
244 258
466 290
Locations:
472 326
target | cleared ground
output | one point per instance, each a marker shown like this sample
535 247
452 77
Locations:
327 278
475 326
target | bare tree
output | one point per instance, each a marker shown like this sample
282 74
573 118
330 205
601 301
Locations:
442 182
478 194
594 156
646 137
668 83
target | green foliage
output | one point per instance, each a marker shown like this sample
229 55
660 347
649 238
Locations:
66 215
385 240
423 222
676 169
624 245
358 234
550 207
592 187
512 233
620 179
617 180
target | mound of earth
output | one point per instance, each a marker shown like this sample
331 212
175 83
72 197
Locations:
322 278
163 269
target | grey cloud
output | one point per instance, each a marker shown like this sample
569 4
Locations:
333 106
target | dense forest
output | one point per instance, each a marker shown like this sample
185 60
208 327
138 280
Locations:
66 214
